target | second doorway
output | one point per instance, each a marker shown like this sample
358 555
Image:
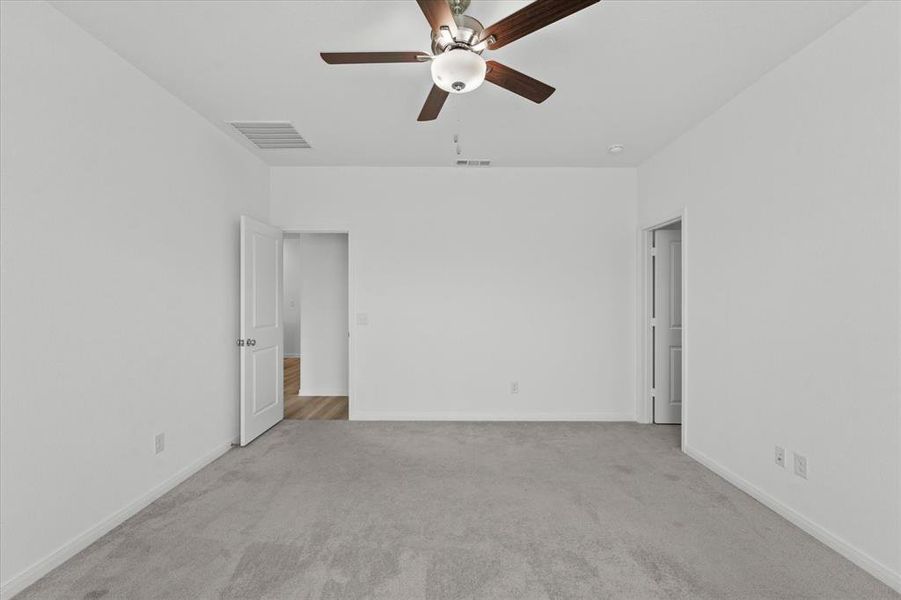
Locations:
316 326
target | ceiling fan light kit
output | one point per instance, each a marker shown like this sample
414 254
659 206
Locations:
458 41
458 71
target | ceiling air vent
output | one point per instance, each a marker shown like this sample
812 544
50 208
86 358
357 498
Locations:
271 135
472 162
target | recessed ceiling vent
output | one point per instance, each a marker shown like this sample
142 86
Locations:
473 162
271 135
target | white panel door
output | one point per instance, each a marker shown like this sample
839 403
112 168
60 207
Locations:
262 400
667 323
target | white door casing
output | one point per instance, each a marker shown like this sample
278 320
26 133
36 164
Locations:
260 343
667 324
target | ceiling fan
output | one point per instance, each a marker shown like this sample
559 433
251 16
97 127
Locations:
458 41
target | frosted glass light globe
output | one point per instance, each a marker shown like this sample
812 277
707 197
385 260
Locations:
458 71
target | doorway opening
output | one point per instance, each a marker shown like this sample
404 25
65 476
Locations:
662 400
315 318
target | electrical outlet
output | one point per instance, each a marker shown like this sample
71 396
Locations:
514 387
800 465
160 442
780 456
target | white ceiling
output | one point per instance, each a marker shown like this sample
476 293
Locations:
632 72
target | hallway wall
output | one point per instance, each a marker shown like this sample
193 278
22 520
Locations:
292 264
323 314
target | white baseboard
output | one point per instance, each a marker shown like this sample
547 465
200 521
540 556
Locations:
362 415
863 560
17 583
315 392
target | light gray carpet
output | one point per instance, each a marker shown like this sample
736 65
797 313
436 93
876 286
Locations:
343 510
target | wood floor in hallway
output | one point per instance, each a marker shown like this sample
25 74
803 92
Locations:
310 408
316 408
292 375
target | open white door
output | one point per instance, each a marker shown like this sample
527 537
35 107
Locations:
667 326
262 400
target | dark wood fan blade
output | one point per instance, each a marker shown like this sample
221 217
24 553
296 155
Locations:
532 18
516 82
433 104
438 14
351 58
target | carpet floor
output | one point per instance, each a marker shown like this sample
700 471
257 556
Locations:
344 510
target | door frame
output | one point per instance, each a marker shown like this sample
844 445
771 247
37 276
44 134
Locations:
351 304
644 409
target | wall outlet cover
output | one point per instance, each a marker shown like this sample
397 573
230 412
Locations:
780 456
160 442
800 465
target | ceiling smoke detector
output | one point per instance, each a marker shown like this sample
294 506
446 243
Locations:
616 149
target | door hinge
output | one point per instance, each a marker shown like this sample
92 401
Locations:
241 342
653 251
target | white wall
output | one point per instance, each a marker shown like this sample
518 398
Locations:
792 192
291 262
323 314
119 248
472 279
